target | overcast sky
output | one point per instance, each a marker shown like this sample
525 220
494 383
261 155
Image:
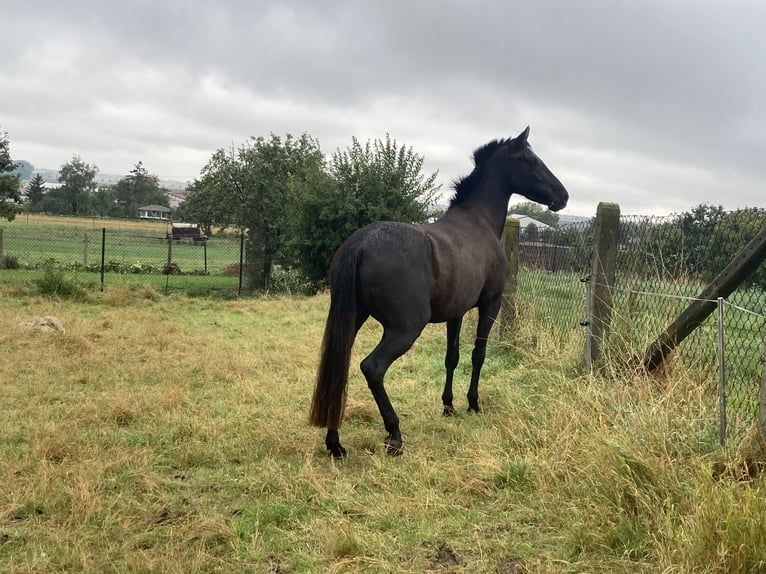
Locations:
657 105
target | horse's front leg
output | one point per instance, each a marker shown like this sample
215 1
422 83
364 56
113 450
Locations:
450 362
487 315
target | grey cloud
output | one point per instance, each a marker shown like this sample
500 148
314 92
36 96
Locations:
656 105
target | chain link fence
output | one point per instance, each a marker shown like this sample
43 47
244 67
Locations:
662 265
101 256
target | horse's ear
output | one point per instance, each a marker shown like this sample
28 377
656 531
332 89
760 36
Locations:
522 137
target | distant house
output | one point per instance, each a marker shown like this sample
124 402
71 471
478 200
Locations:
175 198
154 212
525 221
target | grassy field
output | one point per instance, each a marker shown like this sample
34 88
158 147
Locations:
36 240
135 252
169 434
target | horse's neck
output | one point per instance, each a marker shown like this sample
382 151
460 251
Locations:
480 215
488 209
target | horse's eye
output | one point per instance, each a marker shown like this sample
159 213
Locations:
531 160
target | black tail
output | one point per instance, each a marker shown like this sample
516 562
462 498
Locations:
339 334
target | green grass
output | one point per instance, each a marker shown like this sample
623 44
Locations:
555 304
169 434
135 254
64 244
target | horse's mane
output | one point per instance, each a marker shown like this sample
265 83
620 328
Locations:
465 186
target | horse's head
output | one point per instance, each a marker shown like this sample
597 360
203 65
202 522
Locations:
529 176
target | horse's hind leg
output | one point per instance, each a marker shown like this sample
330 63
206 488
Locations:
392 346
450 362
332 442
487 315
332 439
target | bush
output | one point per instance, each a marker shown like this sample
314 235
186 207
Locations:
287 280
9 262
56 284
233 269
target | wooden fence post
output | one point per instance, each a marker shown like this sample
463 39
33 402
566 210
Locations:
603 264
511 245
745 262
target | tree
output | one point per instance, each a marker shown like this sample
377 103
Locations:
78 179
104 202
10 197
272 179
378 181
138 189
210 200
536 211
731 234
258 187
35 192
697 228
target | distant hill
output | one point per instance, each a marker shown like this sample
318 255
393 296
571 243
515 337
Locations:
52 176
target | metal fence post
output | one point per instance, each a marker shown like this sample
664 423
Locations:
103 252
762 399
721 374
588 323
241 260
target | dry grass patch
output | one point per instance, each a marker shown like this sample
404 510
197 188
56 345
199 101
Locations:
169 434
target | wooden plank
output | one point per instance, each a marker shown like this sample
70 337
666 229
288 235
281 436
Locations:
692 317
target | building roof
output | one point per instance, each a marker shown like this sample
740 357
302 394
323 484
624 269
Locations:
525 220
160 208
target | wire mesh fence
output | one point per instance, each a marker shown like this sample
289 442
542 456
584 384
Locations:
662 265
129 256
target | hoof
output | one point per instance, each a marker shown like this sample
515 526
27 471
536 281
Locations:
449 410
474 408
337 452
393 446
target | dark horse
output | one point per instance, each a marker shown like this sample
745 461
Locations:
406 276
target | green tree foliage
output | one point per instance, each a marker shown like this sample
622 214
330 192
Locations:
274 178
536 211
35 193
138 189
10 197
104 203
730 235
258 187
378 181
212 200
296 208
78 183
698 243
